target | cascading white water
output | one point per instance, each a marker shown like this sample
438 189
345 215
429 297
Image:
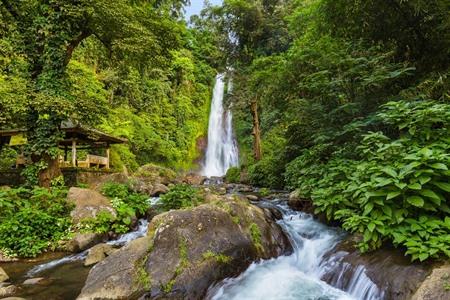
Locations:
120 241
299 275
222 151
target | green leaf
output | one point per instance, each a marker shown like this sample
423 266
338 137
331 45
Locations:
443 186
439 166
367 235
390 171
392 195
400 185
430 194
368 208
424 179
387 210
371 227
423 256
415 186
416 201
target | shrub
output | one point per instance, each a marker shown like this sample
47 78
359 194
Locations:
180 196
32 220
128 206
398 189
233 175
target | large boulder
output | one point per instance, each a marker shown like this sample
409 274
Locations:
296 202
185 251
88 203
83 241
436 285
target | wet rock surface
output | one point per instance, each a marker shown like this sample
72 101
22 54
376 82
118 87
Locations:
186 251
388 268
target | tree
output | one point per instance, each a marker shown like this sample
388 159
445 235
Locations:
49 31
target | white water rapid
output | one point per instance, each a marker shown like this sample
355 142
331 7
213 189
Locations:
120 241
299 276
222 151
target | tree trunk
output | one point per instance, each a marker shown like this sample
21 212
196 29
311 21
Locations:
256 132
51 172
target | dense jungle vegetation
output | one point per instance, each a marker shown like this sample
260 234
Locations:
350 103
131 68
345 101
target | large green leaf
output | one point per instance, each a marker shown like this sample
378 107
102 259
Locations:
416 201
443 186
439 166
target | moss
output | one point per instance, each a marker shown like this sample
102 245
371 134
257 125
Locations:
167 288
220 258
264 192
182 265
236 220
255 234
142 278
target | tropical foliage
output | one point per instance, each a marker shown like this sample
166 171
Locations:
353 108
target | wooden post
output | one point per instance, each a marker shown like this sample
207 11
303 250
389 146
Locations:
65 153
74 153
107 156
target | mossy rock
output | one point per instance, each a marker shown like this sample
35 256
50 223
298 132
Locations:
185 251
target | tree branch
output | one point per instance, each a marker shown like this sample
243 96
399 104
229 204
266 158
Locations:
74 43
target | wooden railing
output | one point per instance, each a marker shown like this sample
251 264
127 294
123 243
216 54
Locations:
90 161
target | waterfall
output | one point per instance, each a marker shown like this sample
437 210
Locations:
299 275
222 151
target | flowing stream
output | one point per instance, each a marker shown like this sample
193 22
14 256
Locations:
222 151
299 275
120 241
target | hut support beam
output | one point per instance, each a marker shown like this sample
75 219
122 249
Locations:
74 153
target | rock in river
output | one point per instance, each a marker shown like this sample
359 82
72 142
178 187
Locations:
88 203
3 275
185 251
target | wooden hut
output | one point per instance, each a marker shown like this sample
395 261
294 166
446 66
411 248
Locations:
76 137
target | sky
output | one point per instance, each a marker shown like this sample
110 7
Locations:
196 7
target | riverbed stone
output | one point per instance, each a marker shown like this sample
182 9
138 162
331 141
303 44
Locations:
34 281
436 285
252 197
185 251
83 241
88 203
3 276
98 253
13 298
159 189
8 291
193 179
